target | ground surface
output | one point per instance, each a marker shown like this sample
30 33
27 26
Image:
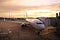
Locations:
15 32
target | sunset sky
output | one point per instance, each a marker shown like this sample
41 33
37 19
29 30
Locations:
33 8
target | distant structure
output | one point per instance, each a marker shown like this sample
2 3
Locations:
58 24
59 14
56 14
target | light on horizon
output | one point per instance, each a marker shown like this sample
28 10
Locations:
39 10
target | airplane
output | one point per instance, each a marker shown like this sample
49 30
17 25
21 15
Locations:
36 23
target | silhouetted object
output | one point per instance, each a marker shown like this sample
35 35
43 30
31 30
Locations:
59 14
56 14
58 25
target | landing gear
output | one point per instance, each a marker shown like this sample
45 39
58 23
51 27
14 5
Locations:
23 25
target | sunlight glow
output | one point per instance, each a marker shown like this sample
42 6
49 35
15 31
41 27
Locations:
40 13
39 10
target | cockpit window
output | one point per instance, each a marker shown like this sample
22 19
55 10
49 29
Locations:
39 23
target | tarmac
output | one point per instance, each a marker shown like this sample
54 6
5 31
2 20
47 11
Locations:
12 30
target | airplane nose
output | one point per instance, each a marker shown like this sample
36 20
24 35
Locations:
43 26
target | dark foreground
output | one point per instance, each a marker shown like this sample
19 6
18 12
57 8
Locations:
13 31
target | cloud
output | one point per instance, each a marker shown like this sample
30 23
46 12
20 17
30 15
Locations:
27 2
14 5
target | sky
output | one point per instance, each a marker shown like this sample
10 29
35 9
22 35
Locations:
28 2
16 6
